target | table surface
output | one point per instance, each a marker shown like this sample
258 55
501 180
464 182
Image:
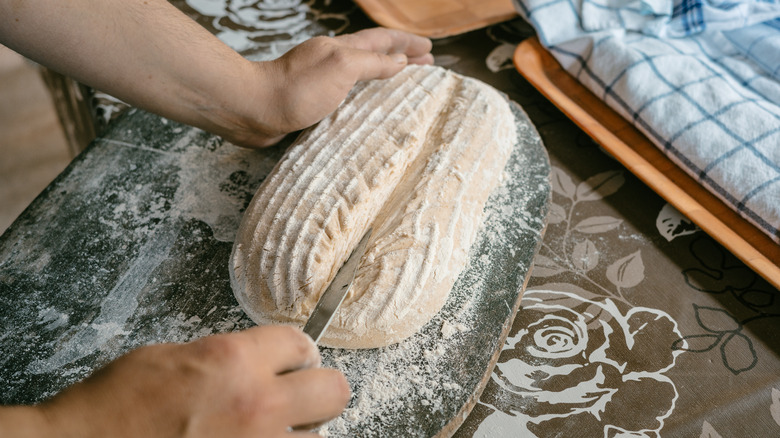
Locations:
634 321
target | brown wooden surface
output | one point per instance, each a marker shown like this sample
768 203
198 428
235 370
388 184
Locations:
438 18
73 109
33 146
642 158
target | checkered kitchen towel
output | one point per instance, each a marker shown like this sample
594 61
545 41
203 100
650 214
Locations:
701 78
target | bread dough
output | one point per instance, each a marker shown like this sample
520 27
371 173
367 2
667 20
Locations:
415 157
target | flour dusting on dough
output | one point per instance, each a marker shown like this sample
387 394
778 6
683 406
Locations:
415 157
427 373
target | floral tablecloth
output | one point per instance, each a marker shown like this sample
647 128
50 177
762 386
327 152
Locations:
634 322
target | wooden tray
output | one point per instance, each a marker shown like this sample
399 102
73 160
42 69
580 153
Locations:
644 160
437 18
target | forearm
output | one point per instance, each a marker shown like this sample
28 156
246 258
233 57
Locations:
149 54
145 52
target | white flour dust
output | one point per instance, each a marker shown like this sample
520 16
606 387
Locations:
390 383
402 389
144 215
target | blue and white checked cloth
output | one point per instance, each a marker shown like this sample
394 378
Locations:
700 78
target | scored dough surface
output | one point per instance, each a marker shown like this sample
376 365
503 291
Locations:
415 157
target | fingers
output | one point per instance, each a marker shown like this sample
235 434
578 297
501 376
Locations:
388 41
332 67
372 65
311 395
426 59
283 348
381 53
317 395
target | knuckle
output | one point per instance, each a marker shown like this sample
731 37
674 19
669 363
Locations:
339 56
221 348
262 404
321 42
379 58
386 39
250 410
297 341
291 334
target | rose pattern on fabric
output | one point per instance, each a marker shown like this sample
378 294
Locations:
583 367
265 29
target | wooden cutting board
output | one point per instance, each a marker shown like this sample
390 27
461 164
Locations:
437 18
646 161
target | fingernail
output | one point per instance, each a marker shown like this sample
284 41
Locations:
399 58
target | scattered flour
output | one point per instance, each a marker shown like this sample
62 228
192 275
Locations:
414 388
449 329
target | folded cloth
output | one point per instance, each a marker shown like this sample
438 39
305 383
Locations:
761 43
698 78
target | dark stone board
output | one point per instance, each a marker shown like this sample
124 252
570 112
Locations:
130 246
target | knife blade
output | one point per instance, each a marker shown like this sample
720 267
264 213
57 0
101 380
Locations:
331 299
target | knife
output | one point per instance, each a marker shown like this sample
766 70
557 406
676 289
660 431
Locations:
331 299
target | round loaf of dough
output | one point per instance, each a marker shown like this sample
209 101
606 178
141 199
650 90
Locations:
415 157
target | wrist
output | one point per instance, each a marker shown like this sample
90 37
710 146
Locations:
242 113
25 421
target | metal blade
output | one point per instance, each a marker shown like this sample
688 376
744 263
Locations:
333 296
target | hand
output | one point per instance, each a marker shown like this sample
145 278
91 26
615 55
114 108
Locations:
259 382
164 62
312 79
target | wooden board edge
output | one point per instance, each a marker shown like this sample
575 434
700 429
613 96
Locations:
457 421
380 14
735 233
